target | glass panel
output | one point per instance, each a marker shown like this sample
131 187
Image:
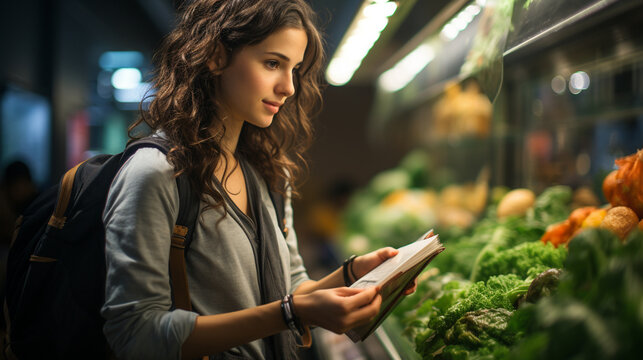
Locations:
538 18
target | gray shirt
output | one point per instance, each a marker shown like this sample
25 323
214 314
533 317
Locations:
141 208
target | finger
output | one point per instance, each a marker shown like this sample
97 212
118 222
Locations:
347 291
411 287
363 298
366 313
413 284
387 252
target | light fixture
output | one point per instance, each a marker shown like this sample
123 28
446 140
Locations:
558 84
406 69
460 22
578 82
126 78
364 31
135 94
120 59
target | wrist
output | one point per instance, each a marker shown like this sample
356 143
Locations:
299 305
302 327
289 316
354 274
347 271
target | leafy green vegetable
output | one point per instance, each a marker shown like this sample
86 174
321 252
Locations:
552 206
388 181
476 327
525 260
417 164
499 292
481 334
461 251
543 285
597 311
504 236
432 296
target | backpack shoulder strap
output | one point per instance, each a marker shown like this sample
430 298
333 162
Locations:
181 239
183 231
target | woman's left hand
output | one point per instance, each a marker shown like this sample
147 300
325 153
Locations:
363 264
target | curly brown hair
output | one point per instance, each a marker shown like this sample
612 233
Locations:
184 109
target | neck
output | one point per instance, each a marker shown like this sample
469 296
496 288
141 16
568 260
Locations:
231 137
229 144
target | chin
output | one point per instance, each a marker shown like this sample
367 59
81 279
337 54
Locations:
262 123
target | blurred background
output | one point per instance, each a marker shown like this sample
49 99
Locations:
434 109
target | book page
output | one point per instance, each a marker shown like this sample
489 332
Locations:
396 264
394 275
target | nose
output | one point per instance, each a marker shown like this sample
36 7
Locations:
286 85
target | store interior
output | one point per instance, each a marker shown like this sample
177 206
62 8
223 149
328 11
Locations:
446 110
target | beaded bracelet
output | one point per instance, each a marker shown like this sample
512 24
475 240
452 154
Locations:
348 262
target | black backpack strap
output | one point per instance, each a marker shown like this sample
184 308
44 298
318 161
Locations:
147 142
279 203
183 231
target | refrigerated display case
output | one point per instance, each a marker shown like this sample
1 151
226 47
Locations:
565 99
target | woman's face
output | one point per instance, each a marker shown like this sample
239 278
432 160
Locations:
260 77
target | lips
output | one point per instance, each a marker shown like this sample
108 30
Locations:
272 106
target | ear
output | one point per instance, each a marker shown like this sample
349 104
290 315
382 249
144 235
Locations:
218 60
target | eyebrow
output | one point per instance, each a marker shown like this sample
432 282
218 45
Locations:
282 56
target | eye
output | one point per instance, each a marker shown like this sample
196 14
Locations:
272 64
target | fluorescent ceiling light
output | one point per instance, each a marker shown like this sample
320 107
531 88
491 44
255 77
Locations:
460 22
406 69
364 31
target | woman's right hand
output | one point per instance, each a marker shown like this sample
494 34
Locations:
338 309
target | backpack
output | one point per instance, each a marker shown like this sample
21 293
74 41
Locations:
56 263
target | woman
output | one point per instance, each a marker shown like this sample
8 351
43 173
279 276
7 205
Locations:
236 82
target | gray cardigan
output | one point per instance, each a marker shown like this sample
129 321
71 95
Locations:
139 215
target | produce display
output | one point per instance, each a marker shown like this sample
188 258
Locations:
400 204
536 277
462 112
623 188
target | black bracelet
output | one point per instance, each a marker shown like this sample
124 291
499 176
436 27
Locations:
351 268
289 316
347 263
295 318
284 312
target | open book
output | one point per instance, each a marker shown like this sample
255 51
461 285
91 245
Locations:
393 276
